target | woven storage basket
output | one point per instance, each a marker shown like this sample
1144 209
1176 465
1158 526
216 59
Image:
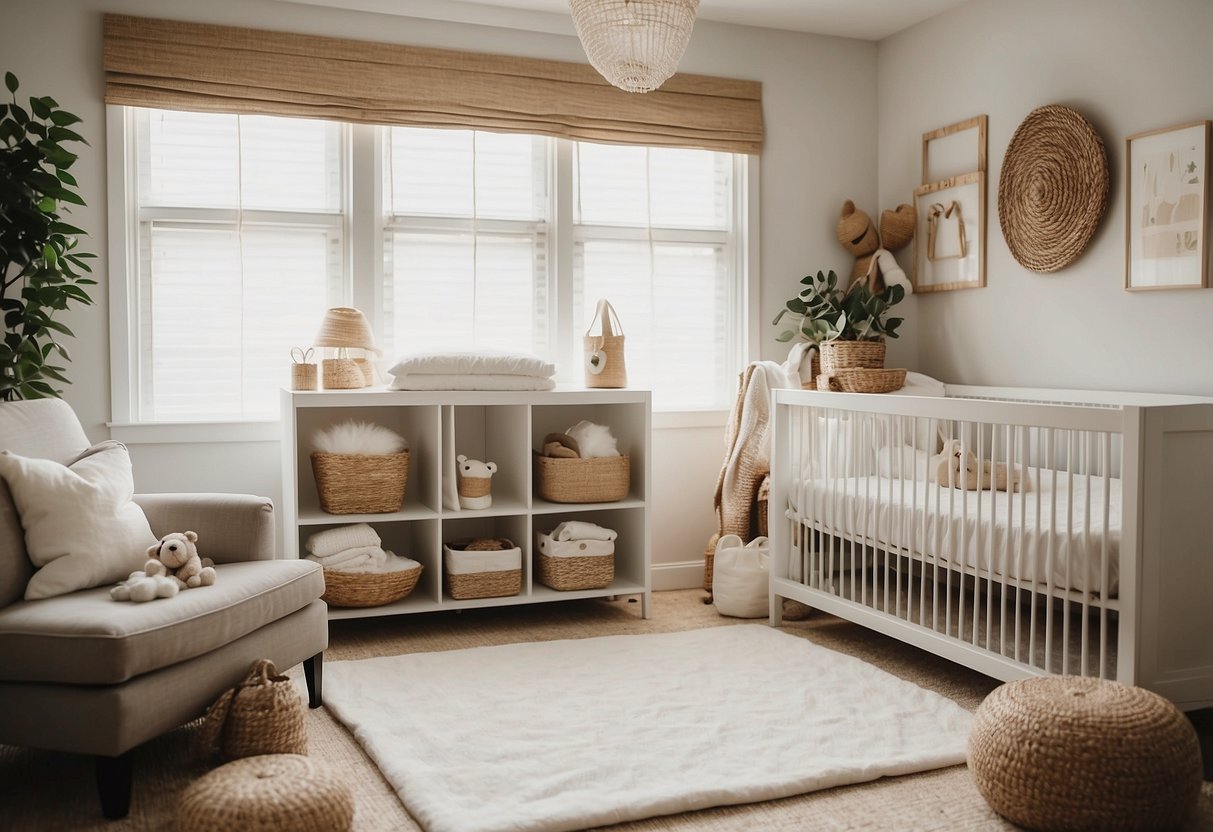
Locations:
602 479
341 374
474 486
836 355
1071 752
269 792
709 561
571 571
604 357
368 589
303 376
361 483
261 715
856 380
814 371
497 584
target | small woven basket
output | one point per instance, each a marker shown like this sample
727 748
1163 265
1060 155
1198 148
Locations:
602 479
361 483
496 584
856 380
837 355
709 561
303 376
569 572
368 589
474 486
261 715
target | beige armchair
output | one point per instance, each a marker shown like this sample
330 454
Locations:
82 673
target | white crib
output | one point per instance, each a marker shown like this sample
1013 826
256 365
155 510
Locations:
1101 566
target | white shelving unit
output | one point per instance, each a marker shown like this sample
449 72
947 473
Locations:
505 427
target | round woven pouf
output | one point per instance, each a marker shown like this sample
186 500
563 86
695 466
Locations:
1075 753
1053 188
273 792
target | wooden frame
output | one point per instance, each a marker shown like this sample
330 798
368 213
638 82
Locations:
1167 208
948 267
954 150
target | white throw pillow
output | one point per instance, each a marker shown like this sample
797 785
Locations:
81 527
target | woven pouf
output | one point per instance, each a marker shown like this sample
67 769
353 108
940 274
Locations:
1075 753
273 792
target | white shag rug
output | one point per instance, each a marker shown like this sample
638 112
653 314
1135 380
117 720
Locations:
563 735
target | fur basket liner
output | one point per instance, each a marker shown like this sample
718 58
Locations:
261 715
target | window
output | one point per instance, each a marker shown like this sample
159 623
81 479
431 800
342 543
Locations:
242 230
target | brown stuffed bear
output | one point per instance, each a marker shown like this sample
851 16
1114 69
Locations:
873 246
176 556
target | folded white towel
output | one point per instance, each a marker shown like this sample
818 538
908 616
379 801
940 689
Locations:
332 541
469 381
347 555
581 530
348 565
392 563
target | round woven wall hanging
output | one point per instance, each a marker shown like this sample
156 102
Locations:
1053 189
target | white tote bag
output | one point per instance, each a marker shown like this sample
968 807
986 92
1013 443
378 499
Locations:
740 577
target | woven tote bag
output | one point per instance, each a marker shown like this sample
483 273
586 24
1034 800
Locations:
604 365
261 715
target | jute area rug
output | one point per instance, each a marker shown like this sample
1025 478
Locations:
562 735
42 790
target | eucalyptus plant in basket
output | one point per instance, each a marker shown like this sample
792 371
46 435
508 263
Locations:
41 270
823 312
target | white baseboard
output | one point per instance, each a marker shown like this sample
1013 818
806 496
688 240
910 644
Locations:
684 575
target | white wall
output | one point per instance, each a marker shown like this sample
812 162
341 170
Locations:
820 146
1128 67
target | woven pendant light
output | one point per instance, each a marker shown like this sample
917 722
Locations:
634 44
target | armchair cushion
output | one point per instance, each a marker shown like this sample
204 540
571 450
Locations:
81 528
87 639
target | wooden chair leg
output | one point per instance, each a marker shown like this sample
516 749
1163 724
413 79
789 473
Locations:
114 784
313 673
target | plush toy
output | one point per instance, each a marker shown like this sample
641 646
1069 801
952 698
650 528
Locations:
956 468
475 482
141 586
561 446
176 556
873 245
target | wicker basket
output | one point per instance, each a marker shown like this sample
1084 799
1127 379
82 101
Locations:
368 589
496 584
836 355
709 561
361 483
573 571
602 479
856 380
261 715
341 374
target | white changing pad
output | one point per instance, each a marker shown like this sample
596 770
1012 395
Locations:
482 362
1038 536
469 381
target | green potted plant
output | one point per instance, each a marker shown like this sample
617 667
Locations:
41 270
848 326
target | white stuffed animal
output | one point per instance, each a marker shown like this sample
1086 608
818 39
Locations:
474 482
176 557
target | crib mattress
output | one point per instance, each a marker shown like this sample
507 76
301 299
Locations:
1041 536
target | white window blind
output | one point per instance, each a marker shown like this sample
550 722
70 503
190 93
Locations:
241 227
240 234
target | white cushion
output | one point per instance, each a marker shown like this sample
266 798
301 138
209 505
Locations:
81 528
485 362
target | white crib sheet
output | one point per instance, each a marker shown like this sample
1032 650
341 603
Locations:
1050 542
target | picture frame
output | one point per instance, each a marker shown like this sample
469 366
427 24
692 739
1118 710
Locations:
950 234
954 150
1167 208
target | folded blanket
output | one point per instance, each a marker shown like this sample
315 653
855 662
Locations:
374 553
469 381
332 541
393 563
483 362
351 564
581 530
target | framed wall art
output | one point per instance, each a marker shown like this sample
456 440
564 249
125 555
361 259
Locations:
950 234
954 150
1167 214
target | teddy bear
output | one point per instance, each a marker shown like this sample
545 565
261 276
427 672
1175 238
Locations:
176 556
873 245
957 468
474 482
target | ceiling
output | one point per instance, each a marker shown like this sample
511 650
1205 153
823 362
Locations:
863 19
